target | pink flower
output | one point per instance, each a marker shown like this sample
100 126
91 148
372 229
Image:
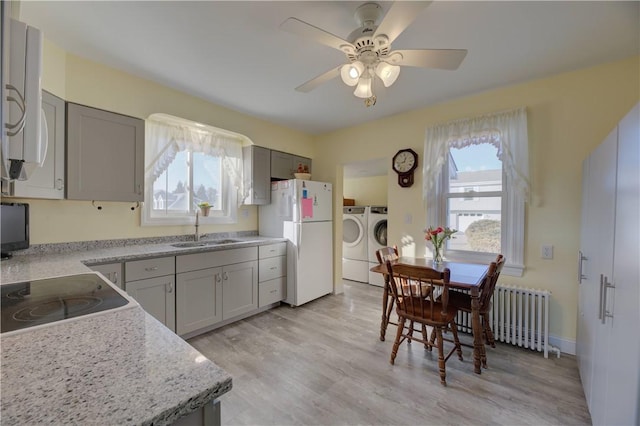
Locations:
439 230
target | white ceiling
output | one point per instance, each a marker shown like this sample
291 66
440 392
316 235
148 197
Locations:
234 54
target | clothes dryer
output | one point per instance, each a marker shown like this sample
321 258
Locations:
377 239
355 256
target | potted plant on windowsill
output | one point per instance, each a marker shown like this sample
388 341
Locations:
205 208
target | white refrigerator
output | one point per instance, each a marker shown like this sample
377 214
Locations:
301 211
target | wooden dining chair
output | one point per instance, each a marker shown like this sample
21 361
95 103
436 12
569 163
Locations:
412 304
462 301
384 254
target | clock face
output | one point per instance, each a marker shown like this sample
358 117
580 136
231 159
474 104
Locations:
404 161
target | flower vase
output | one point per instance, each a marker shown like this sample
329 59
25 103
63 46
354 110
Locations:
204 211
437 255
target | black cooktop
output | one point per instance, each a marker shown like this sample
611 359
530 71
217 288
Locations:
38 302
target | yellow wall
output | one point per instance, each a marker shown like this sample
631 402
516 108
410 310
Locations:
568 116
367 191
82 81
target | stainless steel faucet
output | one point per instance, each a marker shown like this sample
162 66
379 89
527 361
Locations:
196 236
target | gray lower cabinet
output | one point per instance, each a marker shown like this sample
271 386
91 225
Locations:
112 271
198 299
46 181
152 283
272 273
105 155
239 289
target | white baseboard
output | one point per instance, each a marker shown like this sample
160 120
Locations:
566 346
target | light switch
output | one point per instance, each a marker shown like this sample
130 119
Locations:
546 251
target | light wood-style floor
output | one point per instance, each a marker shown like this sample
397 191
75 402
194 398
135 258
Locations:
323 364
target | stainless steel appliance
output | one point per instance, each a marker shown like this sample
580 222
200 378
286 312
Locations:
42 302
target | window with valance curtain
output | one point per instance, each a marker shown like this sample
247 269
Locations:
459 192
188 163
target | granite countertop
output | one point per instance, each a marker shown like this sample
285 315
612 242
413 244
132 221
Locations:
119 367
122 367
43 264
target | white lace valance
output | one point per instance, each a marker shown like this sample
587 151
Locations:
166 135
507 131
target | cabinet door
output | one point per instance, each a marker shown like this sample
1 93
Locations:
157 297
113 272
47 181
257 173
239 289
198 299
105 155
281 165
621 393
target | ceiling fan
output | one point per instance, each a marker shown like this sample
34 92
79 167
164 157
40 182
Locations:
368 48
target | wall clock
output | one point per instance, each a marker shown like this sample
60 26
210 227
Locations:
404 163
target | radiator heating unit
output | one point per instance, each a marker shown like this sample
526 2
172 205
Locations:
519 316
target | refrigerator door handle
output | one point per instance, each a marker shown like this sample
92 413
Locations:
298 238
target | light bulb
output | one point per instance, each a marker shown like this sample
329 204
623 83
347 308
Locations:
363 90
388 73
350 73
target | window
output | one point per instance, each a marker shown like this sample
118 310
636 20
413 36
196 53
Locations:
188 163
476 181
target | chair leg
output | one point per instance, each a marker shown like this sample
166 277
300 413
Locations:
454 331
425 339
488 332
433 336
441 362
409 338
396 344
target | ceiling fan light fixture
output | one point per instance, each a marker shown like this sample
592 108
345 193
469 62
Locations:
363 90
388 73
351 73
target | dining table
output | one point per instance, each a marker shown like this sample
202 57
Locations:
464 276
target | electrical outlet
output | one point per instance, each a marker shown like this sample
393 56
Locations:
546 251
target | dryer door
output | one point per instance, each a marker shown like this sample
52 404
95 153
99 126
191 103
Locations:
380 233
352 231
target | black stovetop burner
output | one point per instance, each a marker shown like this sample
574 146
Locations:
38 302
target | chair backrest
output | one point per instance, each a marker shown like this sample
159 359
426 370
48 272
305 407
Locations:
490 281
417 298
387 253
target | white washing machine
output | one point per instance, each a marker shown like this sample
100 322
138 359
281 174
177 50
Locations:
377 239
355 260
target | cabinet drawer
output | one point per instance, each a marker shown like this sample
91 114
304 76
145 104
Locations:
149 268
271 268
272 250
213 259
271 291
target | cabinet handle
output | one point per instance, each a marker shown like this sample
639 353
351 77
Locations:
581 258
154 268
218 278
600 315
139 188
273 291
59 184
115 278
226 276
169 287
273 268
605 313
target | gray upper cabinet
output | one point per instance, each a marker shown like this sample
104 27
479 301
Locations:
257 174
284 165
47 181
105 155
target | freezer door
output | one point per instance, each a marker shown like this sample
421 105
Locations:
313 201
309 261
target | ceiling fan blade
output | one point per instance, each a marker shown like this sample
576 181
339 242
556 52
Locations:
303 29
446 59
400 15
322 78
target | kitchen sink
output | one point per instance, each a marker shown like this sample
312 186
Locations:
205 243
